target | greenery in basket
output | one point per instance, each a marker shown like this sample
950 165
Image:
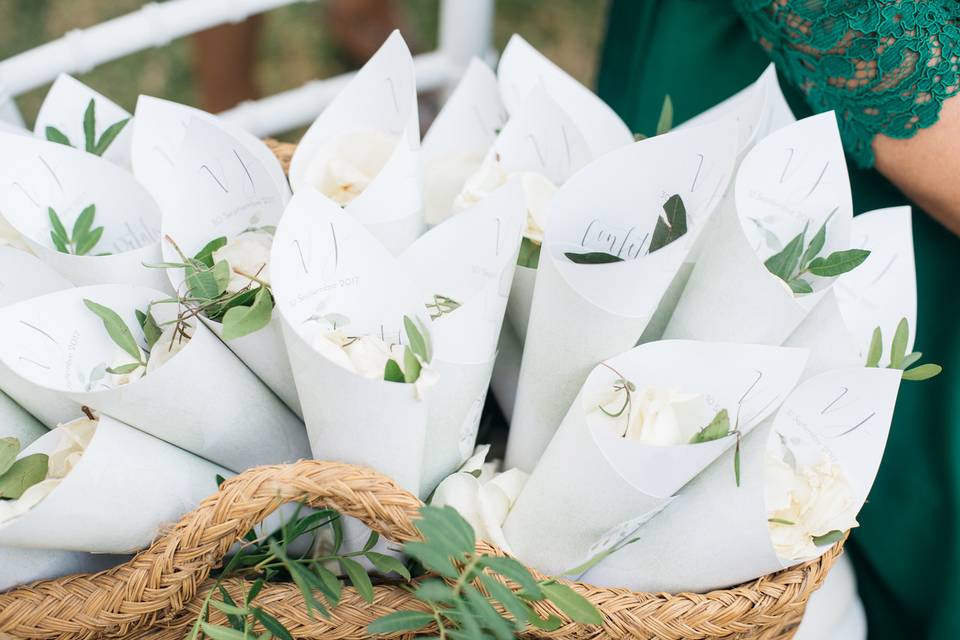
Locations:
91 143
463 591
16 476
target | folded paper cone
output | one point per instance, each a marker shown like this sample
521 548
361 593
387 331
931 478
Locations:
124 489
203 399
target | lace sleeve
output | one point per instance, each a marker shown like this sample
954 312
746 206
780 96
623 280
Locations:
884 66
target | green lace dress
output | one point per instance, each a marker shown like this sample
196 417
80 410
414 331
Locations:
883 66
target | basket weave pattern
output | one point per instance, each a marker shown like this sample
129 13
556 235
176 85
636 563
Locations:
159 593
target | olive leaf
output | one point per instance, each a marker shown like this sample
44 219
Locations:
899 359
9 448
205 255
117 329
55 135
99 146
671 225
23 474
417 339
529 255
794 261
240 321
838 262
411 366
828 538
665 121
84 236
392 372
151 330
593 257
783 263
719 427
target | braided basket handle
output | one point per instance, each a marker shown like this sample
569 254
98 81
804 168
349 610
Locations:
160 580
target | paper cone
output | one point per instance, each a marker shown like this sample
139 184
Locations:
616 484
65 107
615 200
795 176
119 496
222 190
159 132
381 97
522 67
36 175
506 370
203 399
846 411
470 258
459 138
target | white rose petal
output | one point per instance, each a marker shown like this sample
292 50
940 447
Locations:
249 252
487 179
656 416
345 165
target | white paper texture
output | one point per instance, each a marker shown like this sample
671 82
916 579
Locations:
612 483
23 566
15 422
794 177
582 314
64 108
158 133
203 399
381 97
223 190
126 487
36 175
846 411
506 370
522 67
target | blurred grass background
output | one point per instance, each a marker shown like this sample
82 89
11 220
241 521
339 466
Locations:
294 46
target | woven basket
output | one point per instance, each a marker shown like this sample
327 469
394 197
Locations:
158 594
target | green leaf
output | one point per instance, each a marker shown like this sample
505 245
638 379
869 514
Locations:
59 231
400 621
205 255
89 241
411 366
435 591
371 542
875 351
508 599
718 428
838 262
923 372
83 222
109 135
242 321
23 474
782 521
208 283
550 623
513 570
529 255
418 343
90 126
387 564
816 244
60 245
828 538
665 121
431 559
327 583
9 448
392 372
898 348
784 263
910 359
117 329
255 589
124 368
358 576
487 615
151 330
671 225
216 632
55 135
571 603
736 462
445 529
271 624
592 257
800 286
302 578
236 616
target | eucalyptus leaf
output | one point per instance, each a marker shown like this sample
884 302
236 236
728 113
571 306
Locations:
670 226
910 359
898 348
151 330
718 428
529 255
242 321
838 262
592 257
800 286
23 474
9 448
90 126
875 352
205 255
784 263
208 283
922 372
117 329
392 372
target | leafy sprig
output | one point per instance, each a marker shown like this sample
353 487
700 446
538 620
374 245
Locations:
416 353
899 358
16 476
91 144
670 226
441 306
121 335
797 259
84 236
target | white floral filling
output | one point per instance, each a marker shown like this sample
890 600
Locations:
346 164
654 416
248 253
169 344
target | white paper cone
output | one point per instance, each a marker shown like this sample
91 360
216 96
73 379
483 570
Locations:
123 491
15 422
506 370
36 175
522 67
715 534
470 258
325 262
521 300
459 137
614 201
221 190
615 484
64 108
203 399
795 176
159 132
826 335
23 566
381 97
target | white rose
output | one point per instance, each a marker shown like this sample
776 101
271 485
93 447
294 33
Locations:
656 416
805 501
345 165
169 344
75 436
444 177
249 252
484 502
